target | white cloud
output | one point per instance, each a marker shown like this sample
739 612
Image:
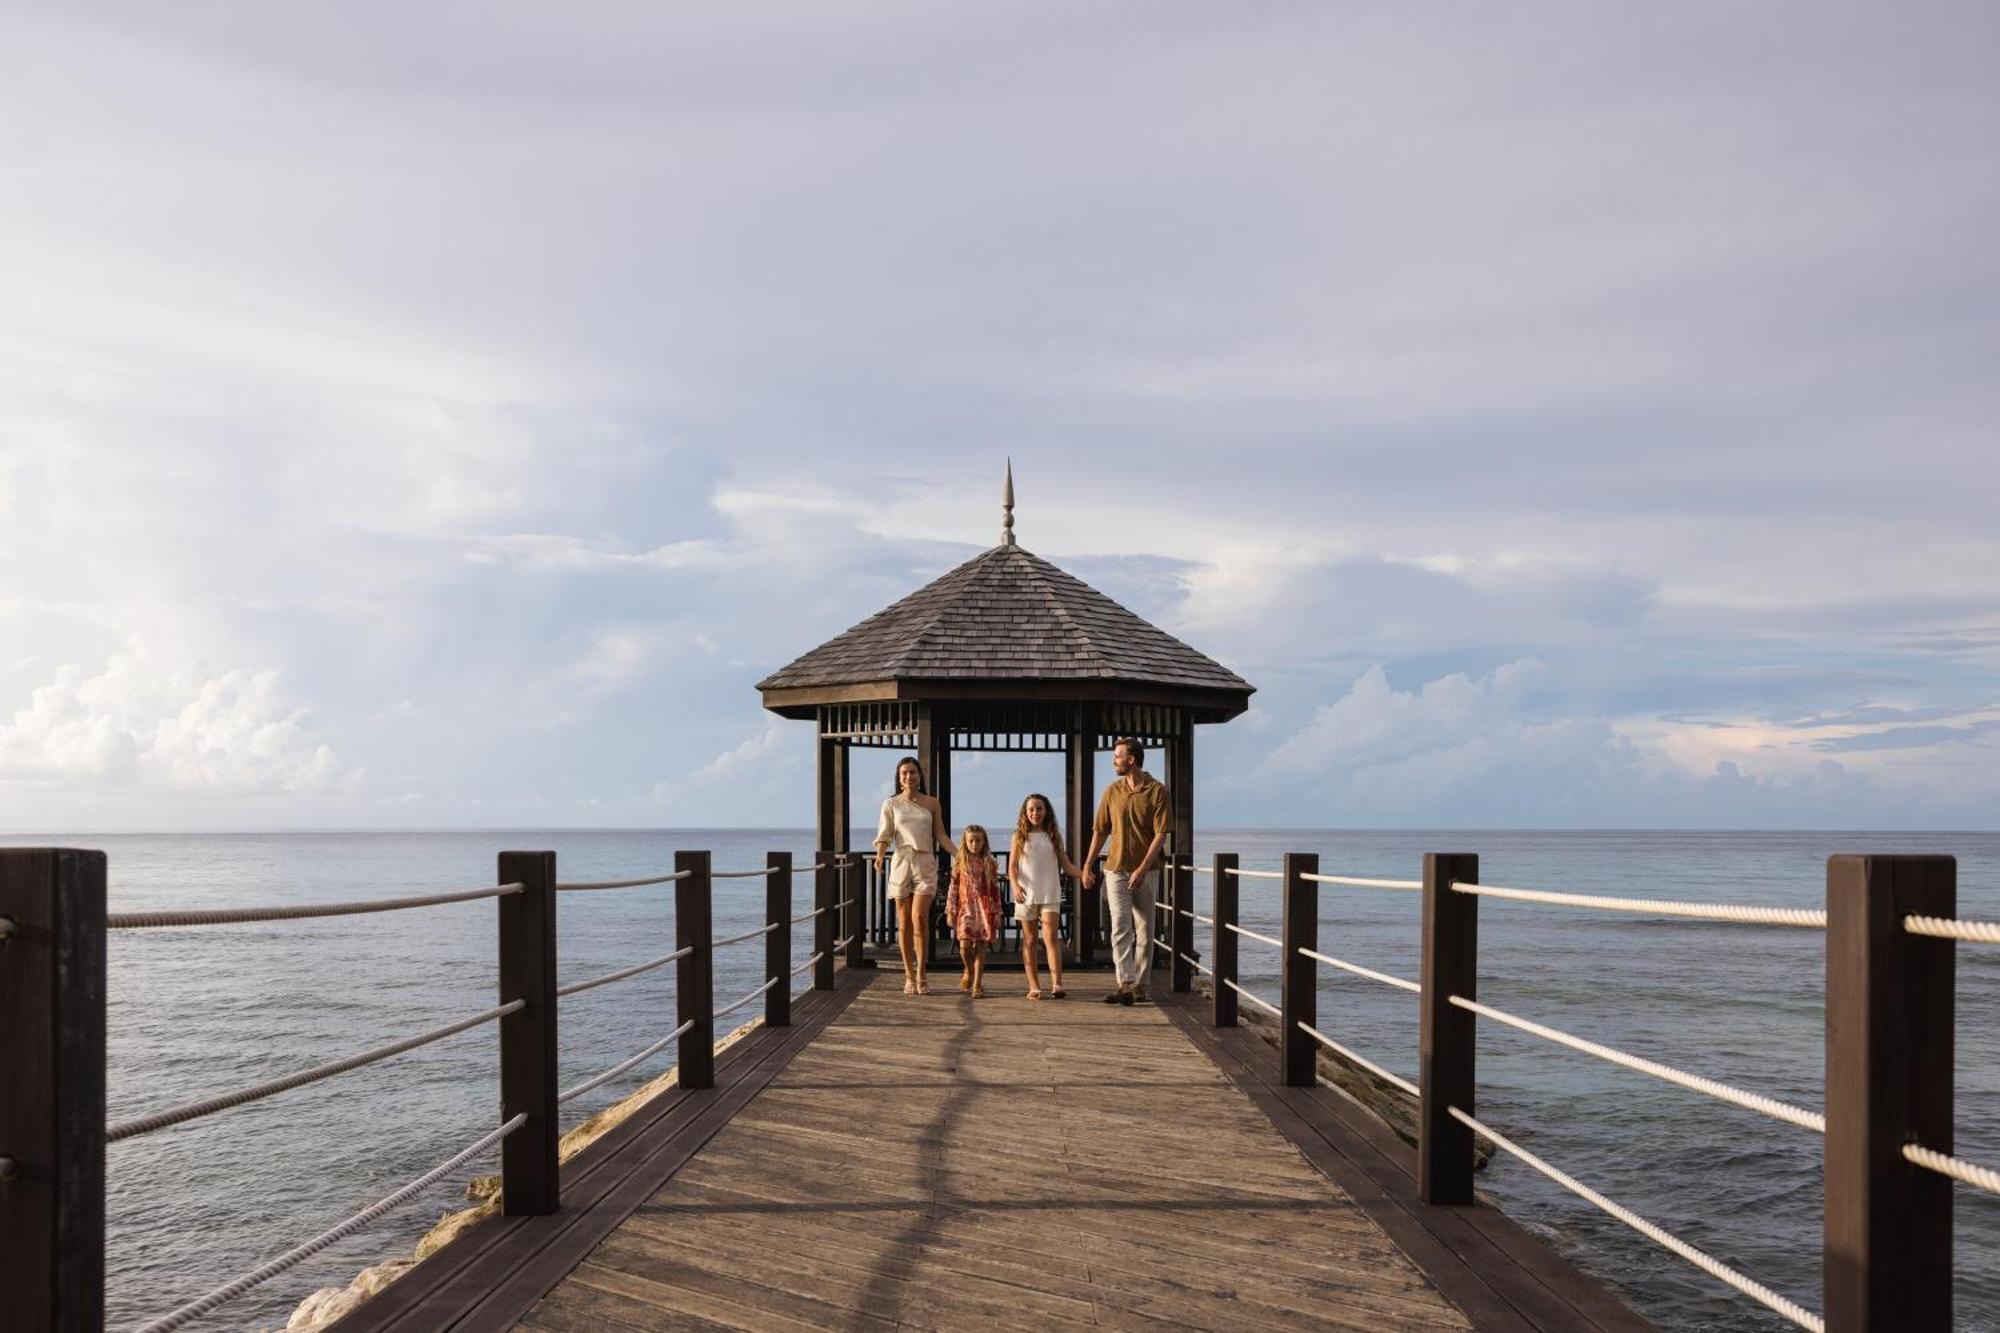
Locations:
134 724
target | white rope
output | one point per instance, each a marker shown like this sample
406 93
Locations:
224 1294
1263 1004
801 870
570 1094
233 916
1255 874
1240 930
747 935
625 972
843 943
1205 920
808 963
1203 870
741 874
1947 928
1360 971
1979 1177
622 883
1750 1287
146 1124
1415 884
807 916
733 1007
1750 1101
1394 1080
1810 917
1196 965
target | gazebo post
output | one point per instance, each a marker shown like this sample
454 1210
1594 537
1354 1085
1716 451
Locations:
1080 789
934 749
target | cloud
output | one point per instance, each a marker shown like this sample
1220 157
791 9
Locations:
230 733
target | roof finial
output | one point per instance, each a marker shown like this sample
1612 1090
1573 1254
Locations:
1007 507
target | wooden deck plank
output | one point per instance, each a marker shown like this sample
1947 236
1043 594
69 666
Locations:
942 1162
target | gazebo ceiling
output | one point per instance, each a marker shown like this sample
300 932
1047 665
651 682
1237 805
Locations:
1006 625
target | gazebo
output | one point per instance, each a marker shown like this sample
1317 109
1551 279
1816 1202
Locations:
1007 653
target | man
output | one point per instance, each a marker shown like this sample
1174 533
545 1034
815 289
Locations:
1135 814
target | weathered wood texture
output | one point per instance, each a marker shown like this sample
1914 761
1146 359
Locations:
936 1162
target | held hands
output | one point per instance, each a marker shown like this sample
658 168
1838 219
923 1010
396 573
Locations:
1090 877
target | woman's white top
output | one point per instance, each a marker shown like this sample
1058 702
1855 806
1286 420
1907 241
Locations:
1038 872
907 825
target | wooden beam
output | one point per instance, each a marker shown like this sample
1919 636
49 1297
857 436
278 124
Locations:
1448 1037
530 1182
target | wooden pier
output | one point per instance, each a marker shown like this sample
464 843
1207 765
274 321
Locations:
938 1162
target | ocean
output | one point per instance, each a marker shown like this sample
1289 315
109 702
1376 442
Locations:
195 1012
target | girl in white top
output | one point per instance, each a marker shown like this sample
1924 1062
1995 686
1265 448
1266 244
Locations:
914 822
1036 862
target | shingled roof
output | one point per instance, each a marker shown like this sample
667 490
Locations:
1008 615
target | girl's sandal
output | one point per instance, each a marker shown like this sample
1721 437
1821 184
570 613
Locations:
965 982
1059 994
979 992
923 988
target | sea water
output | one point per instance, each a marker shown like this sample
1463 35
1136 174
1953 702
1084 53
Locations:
194 1012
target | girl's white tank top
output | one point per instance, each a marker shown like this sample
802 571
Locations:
1038 872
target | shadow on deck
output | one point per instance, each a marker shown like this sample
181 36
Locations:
940 1163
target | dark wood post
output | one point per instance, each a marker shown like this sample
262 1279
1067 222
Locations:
1448 1040
829 813
1298 1053
1889 1055
1080 785
852 922
1181 937
778 944
52 977
694 931
530 1180
826 903
1224 946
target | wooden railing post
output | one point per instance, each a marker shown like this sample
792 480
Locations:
1449 1035
1182 934
854 923
52 979
1889 1056
695 996
826 903
1298 1053
530 1180
778 944
1224 947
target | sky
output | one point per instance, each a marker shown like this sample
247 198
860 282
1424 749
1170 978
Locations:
441 415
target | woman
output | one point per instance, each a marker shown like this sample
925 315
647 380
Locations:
914 822
1035 862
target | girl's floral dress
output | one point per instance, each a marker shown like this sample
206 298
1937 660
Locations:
974 904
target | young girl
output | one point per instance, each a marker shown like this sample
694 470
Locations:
973 906
1035 863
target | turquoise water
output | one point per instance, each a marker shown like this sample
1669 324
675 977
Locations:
195 1012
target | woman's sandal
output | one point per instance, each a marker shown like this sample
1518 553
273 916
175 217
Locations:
1034 995
909 988
923 988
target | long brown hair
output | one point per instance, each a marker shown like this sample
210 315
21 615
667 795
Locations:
1022 828
963 861
896 780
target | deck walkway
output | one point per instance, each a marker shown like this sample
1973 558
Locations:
939 1163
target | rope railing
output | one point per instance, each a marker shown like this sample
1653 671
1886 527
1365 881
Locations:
146 1124
1195 963
807 916
1812 918
292 1258
232 916
809 869
1355 881
742 874
734 1005
1361 971
748 935
622 883
844 942
1253 874
1957 1168
1715 1268
1255 999
1251 934
631 1062
1723 1092
1355 1057
809 962
624 972
1948 928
